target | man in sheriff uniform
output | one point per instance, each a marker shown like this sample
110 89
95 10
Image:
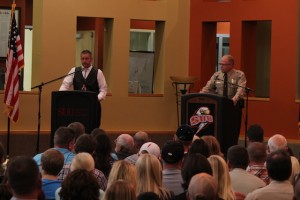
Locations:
227 82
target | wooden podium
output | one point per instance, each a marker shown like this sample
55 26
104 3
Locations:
74 106
213 115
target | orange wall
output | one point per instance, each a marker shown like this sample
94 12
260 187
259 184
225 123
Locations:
279 114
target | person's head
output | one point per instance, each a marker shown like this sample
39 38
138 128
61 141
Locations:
172 153
221 175
237 157
213 145
80 184
120 189
279 165
184 134
277 142
64 137
85 143
52 162
122 169
255 133
86 58
202 186
124 143
83 161
257 152
200 146
148 196
226 63
149 173
194 164
97 131
24 177
103 145
78 128
140 138
151 148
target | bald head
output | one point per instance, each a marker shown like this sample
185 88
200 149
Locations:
203 185
277 142
124 143
140 138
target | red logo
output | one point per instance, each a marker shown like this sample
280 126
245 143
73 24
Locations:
201 118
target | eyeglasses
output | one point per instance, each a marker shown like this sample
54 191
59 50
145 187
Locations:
224 63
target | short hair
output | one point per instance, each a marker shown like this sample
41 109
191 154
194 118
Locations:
203 185
126 141
277 142
279 165
63 136
120 189
140 138
97 131
85 143
80 184
257 152
52 161
83 161
237 157
230 58
255 133
194 164
200 146
78 128
86 52
23 175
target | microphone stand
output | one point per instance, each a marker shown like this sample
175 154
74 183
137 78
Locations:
40 87
247 90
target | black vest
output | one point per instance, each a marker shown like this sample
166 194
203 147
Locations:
90 83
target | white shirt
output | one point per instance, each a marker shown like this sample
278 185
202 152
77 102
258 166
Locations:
68 81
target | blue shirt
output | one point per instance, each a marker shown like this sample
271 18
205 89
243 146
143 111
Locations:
49 187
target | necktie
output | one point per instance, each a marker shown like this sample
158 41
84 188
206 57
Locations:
225 86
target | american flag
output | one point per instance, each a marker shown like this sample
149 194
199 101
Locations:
14 62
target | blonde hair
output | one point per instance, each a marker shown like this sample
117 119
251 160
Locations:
122 169
120 189
83 161
213 145
149 176
221 175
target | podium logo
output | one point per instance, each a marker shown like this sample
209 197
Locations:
201 118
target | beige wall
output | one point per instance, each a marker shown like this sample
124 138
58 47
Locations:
54 28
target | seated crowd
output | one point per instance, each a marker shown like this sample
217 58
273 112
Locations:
186 167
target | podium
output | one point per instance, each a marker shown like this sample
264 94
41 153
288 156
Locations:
74 106
213 115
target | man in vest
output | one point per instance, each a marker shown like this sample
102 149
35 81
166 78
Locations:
86 78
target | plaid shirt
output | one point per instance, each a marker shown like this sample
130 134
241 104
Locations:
97 173
260 171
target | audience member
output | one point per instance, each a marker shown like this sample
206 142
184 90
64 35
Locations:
185 134
193 164
103 154
221 175
257 156
123 170
63 142
139 138
203 186
279 168
78 129
279 142
242 181
148 196
172 156
213 145
85 144
124 146
24 178
97 131
79 184
255 133
200 146
120 189
149 176
151 148
52 162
